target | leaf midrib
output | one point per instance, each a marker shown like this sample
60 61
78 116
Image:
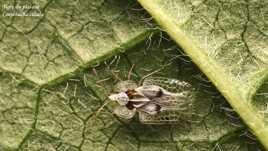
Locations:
213 70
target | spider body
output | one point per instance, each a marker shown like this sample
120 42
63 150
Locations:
153 100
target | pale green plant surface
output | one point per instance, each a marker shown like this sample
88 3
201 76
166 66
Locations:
55 75
228 41
70 35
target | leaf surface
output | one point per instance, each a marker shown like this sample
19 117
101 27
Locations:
64 114
69 35
46 104
228 41
41 50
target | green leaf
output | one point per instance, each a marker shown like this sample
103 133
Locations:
70 35
63 116
17 106
46 104
228 41
46 49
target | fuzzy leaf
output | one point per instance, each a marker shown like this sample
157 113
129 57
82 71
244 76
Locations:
69 35
45 49
65 114
45 104
228 41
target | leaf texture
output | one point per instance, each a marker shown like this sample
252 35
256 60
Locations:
55 76
227 40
